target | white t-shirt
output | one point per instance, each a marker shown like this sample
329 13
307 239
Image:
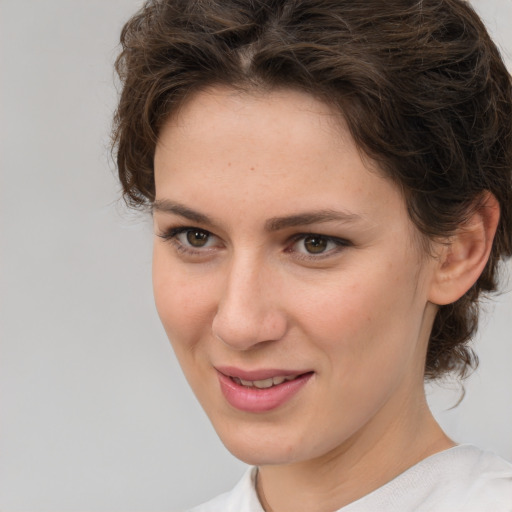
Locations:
460 479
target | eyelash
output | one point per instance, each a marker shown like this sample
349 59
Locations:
340 243
172 234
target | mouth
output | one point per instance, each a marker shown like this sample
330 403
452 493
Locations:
261 390
265 383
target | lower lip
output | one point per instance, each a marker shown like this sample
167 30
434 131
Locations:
250 399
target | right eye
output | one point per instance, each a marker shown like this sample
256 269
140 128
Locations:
196 238
190 239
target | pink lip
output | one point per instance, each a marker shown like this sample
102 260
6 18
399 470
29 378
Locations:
256 400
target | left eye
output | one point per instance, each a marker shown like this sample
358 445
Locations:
316 244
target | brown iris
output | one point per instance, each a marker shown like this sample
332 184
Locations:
315 244
197 237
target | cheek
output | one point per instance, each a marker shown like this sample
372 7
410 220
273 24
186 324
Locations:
371 313
184 303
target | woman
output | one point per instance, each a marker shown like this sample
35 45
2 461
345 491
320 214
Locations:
331 187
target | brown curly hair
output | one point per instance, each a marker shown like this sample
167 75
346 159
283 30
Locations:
420 84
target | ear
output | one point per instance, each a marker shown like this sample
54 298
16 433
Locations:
463 258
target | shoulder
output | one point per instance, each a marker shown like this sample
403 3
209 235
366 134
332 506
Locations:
461 479
242 498
481 480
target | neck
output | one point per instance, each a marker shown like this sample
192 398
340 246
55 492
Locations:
370 459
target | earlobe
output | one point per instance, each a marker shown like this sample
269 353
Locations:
463 257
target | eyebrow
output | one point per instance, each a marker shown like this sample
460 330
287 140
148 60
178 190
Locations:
315 217
272 224
165 206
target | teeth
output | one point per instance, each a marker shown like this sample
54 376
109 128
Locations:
265 383
278 380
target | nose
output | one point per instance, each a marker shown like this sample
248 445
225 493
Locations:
249 311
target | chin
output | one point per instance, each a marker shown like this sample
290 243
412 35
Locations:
261 444
261 455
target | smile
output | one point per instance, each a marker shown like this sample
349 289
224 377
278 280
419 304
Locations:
260 391
263 384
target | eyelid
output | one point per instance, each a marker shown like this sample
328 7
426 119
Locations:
171 235
340 244
336 239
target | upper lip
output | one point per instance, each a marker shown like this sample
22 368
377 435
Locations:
259 374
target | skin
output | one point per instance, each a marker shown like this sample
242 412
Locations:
358 314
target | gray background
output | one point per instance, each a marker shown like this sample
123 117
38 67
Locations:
94 412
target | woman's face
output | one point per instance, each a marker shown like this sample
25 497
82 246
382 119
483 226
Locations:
282 259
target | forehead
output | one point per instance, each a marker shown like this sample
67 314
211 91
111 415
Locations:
268 154
222 122
255 112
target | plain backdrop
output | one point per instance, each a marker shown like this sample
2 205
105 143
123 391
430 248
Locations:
94 412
